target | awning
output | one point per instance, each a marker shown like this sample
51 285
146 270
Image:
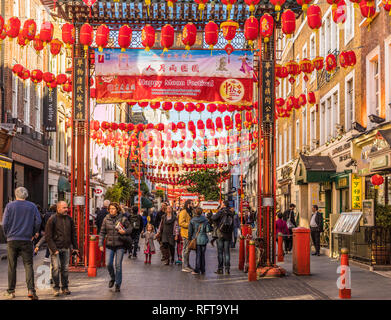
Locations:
5 162
63 184
314 169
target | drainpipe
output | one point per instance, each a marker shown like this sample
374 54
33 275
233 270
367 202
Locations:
2 71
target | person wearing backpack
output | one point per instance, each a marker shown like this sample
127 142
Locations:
225 226
137 224
60 235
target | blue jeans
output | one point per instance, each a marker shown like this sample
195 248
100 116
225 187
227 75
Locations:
60 265
223 253
119 255
200 259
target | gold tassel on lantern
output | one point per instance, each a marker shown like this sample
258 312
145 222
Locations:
148 3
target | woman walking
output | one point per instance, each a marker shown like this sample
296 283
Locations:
198 229
116 229
167 234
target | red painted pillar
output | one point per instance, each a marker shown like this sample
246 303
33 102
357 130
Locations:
252 272
92 256
280 257
241 253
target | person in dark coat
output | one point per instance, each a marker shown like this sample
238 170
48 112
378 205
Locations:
224 239
60 235
160 214
21 223
102 214
316 226
137 223
236 229
289 218
166 232
114 226
52 210
199 227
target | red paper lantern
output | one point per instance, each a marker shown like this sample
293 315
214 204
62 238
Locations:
46 32
266 26
167 106
351 58
86 35
125 37
219 124
29 29
143 104
302 100
306 67
386 6
36 76
67 87
211 34
189 35
179 106
311 98
140 127
333 3
293 69
1 23
222 108
283 72
200 125
190 107
68 34
55 47
291 103
277 4
368 9
22 41
51 85
167 37
61 78
251 30
24 74
377 180
212 107
93 93
200 107
251 4
339 13
318 63
48 77
229 29
331 63
314 17
344 59
304 4
102 37
155 105
288 23
13 27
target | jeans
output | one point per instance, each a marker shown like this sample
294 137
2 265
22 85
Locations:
289 241
16 248
315 235
200 259
186 253
223 253
135 235
233 244
60 265
119 255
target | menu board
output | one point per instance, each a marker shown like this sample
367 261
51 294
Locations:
347 223
368 217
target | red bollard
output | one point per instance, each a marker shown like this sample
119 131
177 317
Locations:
241 253
301 251
344 279
92 257
280 257
252 270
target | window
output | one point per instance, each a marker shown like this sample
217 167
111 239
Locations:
335 114
349 23
329 115
16 8
373 83
376 81
312 54
27 10
322 123
26 97
312 130
38 109
304 113
328 119
297 79
280 149
298 135
329 35
349 102
285 147
289 143
15 84
387 44
304 83
322 42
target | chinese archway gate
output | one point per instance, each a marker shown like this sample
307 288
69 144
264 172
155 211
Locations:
137 14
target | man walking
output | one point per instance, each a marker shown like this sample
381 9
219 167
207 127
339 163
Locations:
102 214
225 225
21 223
236 228
184 220
137 224
60 234
316 226
289 218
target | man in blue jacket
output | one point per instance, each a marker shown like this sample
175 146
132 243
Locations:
21 223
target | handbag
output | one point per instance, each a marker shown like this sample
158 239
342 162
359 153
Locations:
126 239
193 243
289 222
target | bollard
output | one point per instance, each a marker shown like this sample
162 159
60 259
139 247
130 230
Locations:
344 280
280 257
241 253
92 257
301 252
252 268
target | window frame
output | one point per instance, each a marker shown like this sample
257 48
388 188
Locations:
387 66
348 122
373 55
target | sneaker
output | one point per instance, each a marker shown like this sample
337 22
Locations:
66 292
56 292
111 283
9 295
117 288
186 269
219 271
194 273
32 295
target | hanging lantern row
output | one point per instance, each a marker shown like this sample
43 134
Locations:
293 103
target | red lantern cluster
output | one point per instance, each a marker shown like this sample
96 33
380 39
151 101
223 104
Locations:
377 180
347 59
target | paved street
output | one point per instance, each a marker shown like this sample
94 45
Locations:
156 282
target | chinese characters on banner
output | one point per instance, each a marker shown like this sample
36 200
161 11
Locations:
137 75
50 110
79 88
356 192
267 91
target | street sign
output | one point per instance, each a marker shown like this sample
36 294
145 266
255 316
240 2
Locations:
98 191
246 204
209 205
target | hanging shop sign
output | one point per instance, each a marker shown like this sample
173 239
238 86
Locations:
356 192
140 76
342 182
50 110
267 91
368 213
79 88
209 205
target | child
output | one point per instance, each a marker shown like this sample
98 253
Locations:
149 246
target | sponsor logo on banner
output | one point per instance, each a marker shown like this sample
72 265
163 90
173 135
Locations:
232 90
